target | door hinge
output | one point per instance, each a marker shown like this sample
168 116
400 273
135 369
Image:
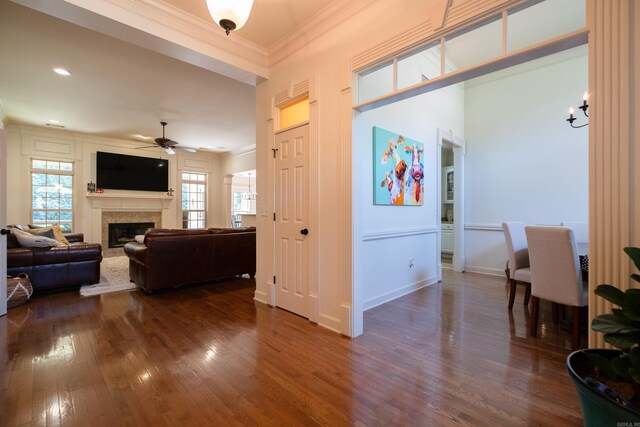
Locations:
274 280
275 150
274 216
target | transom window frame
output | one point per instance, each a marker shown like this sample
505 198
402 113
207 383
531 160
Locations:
47 171
364 64
199 222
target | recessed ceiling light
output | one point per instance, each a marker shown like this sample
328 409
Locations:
62 71
142 137
221 148
55 122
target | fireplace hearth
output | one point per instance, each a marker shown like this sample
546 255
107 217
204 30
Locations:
122 233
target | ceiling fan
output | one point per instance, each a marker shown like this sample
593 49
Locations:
168 145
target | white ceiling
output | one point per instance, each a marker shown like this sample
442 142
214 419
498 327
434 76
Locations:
120 90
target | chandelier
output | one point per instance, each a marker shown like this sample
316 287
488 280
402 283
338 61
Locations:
230 14
249 195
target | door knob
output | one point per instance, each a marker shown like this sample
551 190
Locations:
5 231
304 231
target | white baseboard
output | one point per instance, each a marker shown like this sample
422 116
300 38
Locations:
330 323
412 287
484 270
260 297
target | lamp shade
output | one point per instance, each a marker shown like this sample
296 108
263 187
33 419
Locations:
230 14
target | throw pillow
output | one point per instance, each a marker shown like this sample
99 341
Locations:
57 233
48 233
139 238
29 240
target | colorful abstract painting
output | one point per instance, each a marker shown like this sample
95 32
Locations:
398 169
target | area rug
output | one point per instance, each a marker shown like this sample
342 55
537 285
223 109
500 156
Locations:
114 277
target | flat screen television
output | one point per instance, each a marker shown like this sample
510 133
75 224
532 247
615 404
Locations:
122 172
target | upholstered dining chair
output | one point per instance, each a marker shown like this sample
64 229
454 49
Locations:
580 230
555 273
519 271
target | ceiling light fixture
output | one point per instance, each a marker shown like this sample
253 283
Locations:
230 14
55 122
62 71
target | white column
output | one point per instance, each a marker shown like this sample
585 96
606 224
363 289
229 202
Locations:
614 126
227 199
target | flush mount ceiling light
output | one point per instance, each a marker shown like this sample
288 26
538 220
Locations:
62 71
230 14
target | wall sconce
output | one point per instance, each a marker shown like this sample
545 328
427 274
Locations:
584 107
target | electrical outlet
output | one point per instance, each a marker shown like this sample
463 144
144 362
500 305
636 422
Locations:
412 263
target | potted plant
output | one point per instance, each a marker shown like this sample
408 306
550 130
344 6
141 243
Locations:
608 381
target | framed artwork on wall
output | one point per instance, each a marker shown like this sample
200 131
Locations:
398 169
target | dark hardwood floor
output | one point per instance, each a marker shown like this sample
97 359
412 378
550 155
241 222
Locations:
449 354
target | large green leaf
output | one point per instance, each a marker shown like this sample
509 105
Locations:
636 277
634 254
613 324
623 342
635 374
610 293
634 355
621 365
631 302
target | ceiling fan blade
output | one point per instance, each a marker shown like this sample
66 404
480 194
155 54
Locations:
186 149
169 150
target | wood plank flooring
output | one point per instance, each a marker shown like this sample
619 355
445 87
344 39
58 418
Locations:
449 354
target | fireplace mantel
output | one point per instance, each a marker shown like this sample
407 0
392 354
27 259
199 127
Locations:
127 202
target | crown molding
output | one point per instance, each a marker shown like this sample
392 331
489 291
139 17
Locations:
239 151
320 23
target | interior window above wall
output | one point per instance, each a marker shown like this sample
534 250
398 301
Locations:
295 113
52 193
476 45
375 82
194 190
418 66
544 21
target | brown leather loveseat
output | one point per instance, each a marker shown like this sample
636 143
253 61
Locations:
56 267
175 257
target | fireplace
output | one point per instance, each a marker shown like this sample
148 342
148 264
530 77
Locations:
122 233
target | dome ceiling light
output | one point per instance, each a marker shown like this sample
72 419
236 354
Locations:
230 14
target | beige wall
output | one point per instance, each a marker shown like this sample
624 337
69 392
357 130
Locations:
27 142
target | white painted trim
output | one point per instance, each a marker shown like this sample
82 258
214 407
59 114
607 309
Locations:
368 236
244 150
3 116
484 227
261 297
412 287
555 45
485 270
297 125
330 322
459 152
322 22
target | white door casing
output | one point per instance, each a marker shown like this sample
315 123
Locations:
291 219
3 221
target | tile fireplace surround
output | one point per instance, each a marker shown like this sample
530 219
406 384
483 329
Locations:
109 208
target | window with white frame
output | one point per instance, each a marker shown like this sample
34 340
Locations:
52 193
194 211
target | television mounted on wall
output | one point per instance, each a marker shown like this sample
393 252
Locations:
123 172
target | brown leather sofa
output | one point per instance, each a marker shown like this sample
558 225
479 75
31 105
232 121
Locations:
56 267
174 257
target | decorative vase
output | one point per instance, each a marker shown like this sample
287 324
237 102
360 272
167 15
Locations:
599 407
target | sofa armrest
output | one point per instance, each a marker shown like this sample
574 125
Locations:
74 237
136 252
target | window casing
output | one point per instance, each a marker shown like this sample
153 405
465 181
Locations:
52 193
194 200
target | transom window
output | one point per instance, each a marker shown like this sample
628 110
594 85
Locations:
194 211
52 193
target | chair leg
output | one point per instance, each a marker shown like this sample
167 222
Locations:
575 342
512 292
533 323
527 293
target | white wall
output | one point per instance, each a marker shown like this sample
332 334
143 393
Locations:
524 162
393 235
27 142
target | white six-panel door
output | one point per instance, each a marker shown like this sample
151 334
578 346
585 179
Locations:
291 203
3 222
